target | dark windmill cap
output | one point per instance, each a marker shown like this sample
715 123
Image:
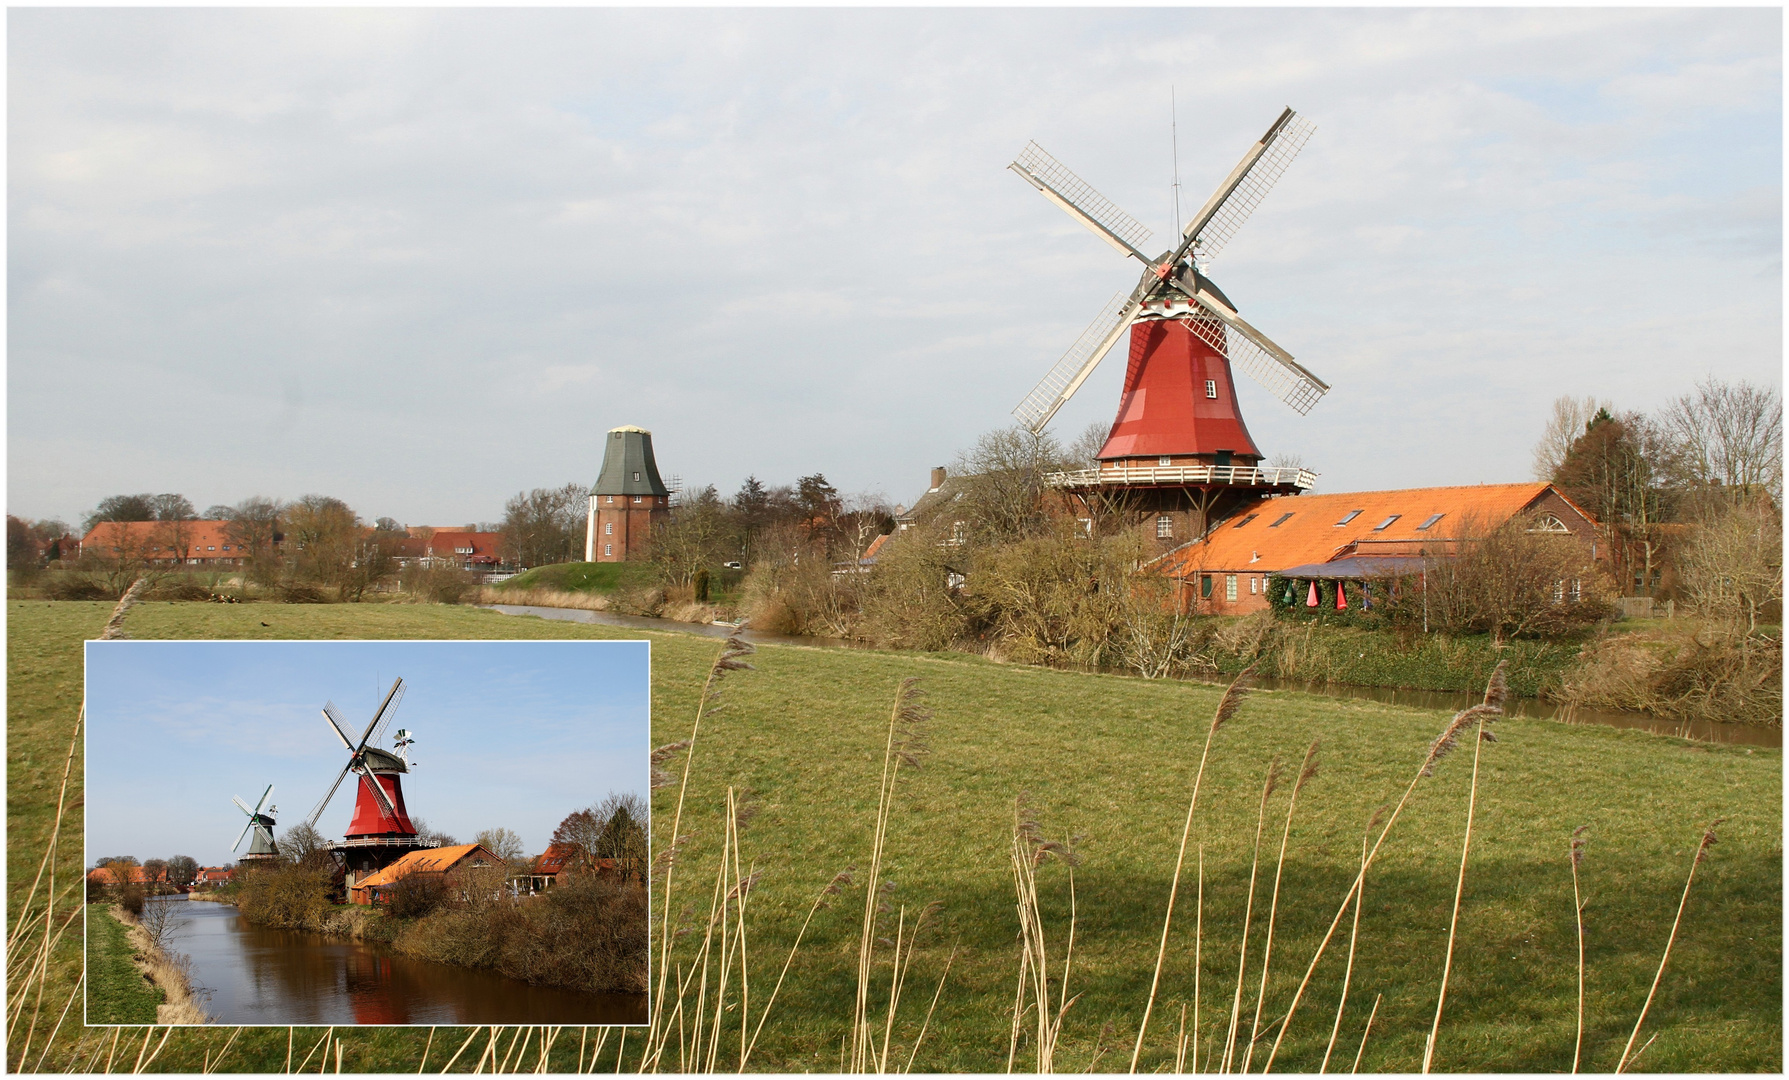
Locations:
628 465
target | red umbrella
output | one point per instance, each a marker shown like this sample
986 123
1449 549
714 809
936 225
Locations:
1311 601
1341 597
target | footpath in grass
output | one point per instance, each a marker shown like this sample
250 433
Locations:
117 993
1111 759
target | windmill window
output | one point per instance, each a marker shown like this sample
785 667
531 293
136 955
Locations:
608 528
1211 388
1164 527
608 549
1246 520
1282 519
636 499
636 480
1351 515
1386 524
1164 462
1433 518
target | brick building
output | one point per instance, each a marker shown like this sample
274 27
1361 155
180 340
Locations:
1354 536
628 499
174 543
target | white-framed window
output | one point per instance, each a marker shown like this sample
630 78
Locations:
1547 523
608 549
1211 388
1230 588
1086 527
636 500
1254 585
959 531
1164 527
1558 591
636 480
608 528
1164 462
1577 590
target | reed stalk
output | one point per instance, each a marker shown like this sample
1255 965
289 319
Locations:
1305 772
1368 1030
1577 856
1029 850
1478 744
1348 973
1227 706
1496 692
1248 912
921 1037
1708 841
1198 958
833 888
728 660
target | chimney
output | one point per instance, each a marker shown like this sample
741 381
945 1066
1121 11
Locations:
937 478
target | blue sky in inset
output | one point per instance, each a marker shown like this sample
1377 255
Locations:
512 734
785 240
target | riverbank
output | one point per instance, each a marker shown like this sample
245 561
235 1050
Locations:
587 934
133 979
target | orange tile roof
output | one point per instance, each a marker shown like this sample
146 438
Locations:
204 539
1311 534
428 860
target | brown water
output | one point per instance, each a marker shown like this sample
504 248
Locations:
1440 700
248 974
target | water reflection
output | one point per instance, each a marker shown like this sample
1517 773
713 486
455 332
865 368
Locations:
1442 700
257 975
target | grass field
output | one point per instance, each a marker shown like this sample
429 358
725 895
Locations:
118 993
1110 758
584 577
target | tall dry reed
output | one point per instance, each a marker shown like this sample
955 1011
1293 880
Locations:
1496 691
1248 911
1305 772
1227 707
1029 851
1708 841
1499 692
1577 856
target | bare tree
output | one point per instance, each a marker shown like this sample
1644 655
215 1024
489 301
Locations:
1732 566
1003 483
1570 419
544 526
253 523
182 869
1731 434
1079 454
503 843
304 845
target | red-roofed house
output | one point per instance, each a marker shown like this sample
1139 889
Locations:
113 875
465 548
192 543
447 863
557 859
1363 534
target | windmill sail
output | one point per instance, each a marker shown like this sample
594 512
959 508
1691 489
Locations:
1068 373
1258 357
1254 176
1084 204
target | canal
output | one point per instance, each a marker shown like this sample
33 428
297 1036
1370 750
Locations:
245 974
1441 700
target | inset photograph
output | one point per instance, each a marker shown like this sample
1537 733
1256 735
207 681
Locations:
367 832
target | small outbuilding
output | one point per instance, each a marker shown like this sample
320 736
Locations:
449 864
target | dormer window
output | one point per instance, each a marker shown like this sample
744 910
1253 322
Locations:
1211 388
1386 524
1432 519
1282 519
636 480
1352 514
1246 520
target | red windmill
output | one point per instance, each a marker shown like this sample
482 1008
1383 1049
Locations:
1178 445
380 831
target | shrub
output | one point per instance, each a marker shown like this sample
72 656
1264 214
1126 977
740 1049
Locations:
415 895
436 584
131 896
288 896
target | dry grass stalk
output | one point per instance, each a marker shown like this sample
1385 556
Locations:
839 881
1305 772
1495 693
1029 850
1248 912
1348 973
1708 841
729 659
1198 954
1227 708
36 963
1368 1030
114 629
1577 855
923 1027
1453 925
449 1065
906 722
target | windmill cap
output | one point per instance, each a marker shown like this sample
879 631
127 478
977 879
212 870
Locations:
629 427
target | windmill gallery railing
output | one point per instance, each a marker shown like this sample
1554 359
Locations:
1229 475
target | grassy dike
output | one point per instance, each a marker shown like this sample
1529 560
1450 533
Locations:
1110 758
117 992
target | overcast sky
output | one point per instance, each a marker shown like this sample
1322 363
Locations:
422 260
509 734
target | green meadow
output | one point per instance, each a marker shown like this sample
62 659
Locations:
1108 761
